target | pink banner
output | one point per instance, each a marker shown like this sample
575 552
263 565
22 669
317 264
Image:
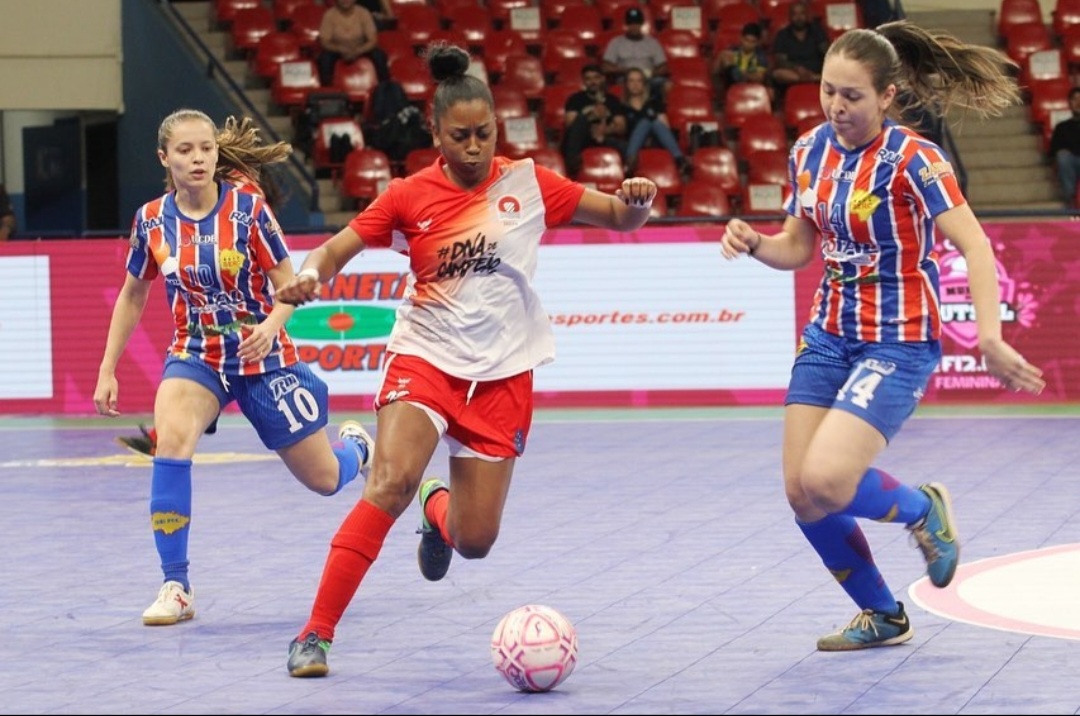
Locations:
1040 300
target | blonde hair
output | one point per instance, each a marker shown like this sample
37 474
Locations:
241 153
932 69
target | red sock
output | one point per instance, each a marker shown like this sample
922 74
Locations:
435 510
352 551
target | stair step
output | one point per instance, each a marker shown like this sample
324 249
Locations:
200 15
1007 193
996 128
990 158
1034 174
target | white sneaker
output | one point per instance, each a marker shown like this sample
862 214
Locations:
353 430
172 605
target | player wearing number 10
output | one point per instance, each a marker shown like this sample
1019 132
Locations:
216 243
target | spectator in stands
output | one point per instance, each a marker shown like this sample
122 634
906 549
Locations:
594 118
799 48
635 49
646 119
744 62
878 12
7 215
348 32
1065 149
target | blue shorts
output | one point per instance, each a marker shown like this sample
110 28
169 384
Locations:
284 406
882 383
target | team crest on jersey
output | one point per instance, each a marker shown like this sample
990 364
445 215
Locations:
509 208
280 387
863 204
231 261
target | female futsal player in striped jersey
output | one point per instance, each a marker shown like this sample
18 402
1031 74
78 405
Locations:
215 242
873 192
467 338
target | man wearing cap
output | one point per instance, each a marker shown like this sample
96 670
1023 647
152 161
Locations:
636 49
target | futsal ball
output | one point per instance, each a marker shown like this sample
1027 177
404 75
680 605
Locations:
534 647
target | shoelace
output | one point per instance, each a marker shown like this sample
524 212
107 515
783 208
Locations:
925 543
864 621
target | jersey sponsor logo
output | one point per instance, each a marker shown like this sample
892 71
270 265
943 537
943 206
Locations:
242 218
863 204
509 207
890 157
198 240
934 171
231 261
149 224
283 385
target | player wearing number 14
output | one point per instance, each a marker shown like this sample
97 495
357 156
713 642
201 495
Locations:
214 240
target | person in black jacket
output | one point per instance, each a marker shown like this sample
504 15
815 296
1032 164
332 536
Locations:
1065 149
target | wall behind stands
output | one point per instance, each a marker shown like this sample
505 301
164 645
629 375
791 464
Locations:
651 318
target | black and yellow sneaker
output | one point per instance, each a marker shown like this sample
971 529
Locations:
433 554
307 656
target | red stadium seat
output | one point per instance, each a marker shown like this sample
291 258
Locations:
691 72
717 166
365 175
586 21
613 13
225 10
520 135
1048 96
356 79
840 17
528 22
554 10
526 73
306 20
283 10
700 197
687 16
500 10
1066 14
549 157
802 100
1025 39
273 49
292 83
775 15
411 72
679 43
327 155
498 46
418 22
763 133
395 43
250 25
601 167
1070 48
762 198
554 108
1043 65
687 106
563 44
729 12
420 158
509 102
1016 12
446 8
657 164
767 166
745 102
473 22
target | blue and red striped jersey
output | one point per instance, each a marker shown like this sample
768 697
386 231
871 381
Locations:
215 272
874 207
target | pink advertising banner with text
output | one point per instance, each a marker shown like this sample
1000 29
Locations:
56 299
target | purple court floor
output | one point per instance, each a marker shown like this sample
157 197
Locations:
665 537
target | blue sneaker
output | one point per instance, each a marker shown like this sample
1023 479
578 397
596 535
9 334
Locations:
937 537
353 430
869 629
434 553
307 656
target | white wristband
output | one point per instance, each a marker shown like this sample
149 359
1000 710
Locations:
309 272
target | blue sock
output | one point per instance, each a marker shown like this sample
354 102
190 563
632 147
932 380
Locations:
351 454
170 516
881 497
840 543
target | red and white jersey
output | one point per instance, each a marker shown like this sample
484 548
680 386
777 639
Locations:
874 207
215 272
470 308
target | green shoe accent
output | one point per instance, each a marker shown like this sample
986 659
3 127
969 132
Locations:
434 554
